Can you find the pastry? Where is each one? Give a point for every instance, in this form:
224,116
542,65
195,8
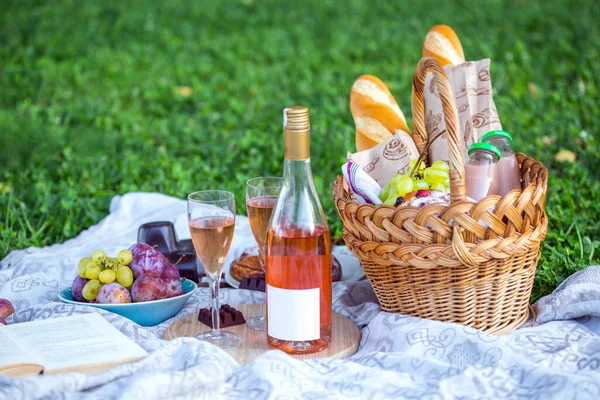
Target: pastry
248,265
376,114
443,44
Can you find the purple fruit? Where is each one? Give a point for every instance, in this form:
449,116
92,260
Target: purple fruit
149,262
77,287
139,248
174,288
113,293
6,308
170,273
3,322
148,288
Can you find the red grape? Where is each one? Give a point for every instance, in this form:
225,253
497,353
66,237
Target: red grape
6,308
77,287
170,273
139,248
148,288
113,293
174,288
149,262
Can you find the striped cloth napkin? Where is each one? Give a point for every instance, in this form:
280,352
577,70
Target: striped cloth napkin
364,188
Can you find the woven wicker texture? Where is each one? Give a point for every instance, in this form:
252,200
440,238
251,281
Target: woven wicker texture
470,263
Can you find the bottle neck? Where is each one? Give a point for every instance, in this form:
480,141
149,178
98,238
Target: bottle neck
482,156
502,143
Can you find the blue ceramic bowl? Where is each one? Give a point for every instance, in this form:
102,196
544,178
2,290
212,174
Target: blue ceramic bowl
146,313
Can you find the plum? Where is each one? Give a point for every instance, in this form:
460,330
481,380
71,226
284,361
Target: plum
139,248
113,293
3,322
77,288
170,273
174,288
6,308
150,262
148,288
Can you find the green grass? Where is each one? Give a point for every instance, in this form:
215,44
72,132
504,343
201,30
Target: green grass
89,103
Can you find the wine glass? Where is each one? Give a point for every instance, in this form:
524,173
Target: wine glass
261,196
211,218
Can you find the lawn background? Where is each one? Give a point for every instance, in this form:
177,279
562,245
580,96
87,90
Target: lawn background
100,98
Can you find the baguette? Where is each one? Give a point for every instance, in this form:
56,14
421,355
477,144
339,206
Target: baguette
376,113
443,44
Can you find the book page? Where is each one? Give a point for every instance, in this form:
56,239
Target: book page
86,339
11,353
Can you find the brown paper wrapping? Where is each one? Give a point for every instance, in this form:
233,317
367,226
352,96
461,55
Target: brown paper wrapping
387,158
471,86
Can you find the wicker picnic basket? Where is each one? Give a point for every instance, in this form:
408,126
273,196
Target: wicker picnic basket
470,263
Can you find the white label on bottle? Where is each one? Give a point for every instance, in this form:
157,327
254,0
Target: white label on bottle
294,314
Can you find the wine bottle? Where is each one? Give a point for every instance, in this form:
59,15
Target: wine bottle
298,251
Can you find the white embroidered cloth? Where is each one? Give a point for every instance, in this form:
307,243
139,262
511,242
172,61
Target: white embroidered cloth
400,357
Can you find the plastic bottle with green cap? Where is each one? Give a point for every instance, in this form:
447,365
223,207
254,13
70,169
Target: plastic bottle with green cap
480,170
508,172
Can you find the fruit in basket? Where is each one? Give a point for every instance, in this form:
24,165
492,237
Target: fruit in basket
148,288
402,188
6,309
150,262
91,288
113,293
443,44
77,288
375,111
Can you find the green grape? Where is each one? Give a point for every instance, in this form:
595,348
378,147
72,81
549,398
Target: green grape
99,257
421,184
107,276
124,257
440,186
90,290
433,176
411,165
394,179
441,165
404,185
82,265
125,276
391,201
385,192
92,272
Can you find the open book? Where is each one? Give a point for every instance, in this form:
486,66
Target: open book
80,343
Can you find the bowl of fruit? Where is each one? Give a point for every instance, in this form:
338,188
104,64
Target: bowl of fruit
139,284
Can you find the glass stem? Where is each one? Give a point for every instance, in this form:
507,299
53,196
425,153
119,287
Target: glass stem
214,297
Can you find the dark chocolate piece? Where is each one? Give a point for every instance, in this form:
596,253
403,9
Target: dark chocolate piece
258,285
160,235
228,316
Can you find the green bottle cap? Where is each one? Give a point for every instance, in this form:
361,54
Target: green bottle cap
485,146
497,133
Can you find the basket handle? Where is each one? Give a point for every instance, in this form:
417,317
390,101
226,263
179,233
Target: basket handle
420,135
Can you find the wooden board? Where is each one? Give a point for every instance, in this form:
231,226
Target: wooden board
344,342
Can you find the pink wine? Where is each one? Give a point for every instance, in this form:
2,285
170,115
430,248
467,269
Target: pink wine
212,238
300,261
259,215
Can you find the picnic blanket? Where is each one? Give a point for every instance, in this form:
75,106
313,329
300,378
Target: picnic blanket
399,357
